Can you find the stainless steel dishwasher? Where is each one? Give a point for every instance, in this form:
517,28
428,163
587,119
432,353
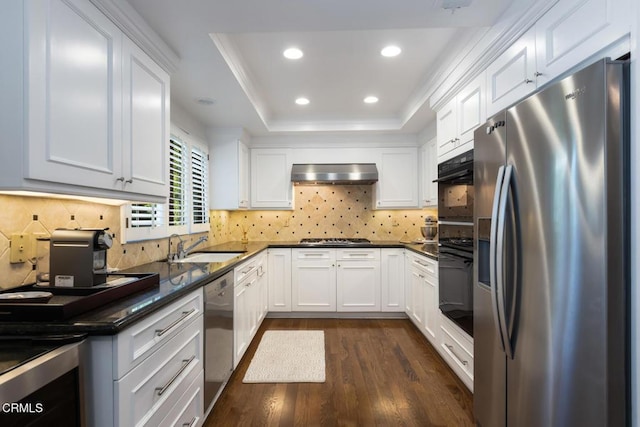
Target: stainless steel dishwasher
218,337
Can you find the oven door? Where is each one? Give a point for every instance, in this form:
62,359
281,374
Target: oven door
455,276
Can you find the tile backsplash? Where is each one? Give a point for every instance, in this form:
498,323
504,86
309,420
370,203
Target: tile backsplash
327,211
39,216
320,211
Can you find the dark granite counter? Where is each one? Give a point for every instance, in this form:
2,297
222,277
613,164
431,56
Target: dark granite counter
176,280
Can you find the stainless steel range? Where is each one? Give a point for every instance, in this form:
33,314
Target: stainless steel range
335,241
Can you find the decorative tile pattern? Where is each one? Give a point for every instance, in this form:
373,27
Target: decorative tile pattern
321,211
329,211
40,216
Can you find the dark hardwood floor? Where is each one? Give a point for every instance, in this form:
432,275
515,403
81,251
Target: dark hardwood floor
378,373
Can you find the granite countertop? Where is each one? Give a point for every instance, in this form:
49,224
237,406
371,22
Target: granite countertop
176,280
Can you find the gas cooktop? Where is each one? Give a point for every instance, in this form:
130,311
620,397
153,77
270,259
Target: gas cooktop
334,241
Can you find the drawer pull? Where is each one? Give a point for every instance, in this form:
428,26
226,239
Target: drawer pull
421,263
248,269
358,254
450,347
185,314
161,390
190,423
313,254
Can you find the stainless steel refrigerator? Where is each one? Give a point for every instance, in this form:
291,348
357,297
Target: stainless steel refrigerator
551,256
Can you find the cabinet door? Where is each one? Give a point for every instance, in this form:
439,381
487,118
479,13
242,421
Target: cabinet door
417,297
447,127
243,175
398,181
430,286
271,178
263,287
358,280
429,170
576,29
279,279
471,111
511,77
74,97
241,322
392,276
145,123
313,286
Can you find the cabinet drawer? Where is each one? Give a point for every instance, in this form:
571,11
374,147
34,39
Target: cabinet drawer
244,270
136,343
458,352
311,254
153,387
355,254
425,264
188,411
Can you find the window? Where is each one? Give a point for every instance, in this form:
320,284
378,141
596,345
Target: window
187,207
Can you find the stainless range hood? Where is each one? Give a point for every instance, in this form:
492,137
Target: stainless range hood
334,173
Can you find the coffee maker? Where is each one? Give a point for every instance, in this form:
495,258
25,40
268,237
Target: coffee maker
78,257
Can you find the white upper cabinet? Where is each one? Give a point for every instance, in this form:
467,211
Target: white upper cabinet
271,178
429,173
459,118
93,110
573,30
229,172
397,186
145,122
512,76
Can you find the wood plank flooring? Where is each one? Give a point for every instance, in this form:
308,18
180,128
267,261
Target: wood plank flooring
378,373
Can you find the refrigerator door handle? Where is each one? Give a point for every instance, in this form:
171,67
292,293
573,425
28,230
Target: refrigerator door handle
493,256
502,213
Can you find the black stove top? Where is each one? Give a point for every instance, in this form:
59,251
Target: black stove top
334,241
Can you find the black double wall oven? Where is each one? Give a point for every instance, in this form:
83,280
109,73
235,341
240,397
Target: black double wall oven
455,239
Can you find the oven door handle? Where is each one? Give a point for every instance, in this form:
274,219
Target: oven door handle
493,255
454,175
500,288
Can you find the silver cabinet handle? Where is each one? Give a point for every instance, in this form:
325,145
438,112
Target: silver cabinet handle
359,255
246,271
527,81
129,181
185,314
190,423
421,263
450,347
185,363
537,74
121,179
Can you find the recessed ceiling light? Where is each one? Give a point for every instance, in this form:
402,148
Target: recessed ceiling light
293,53
302,101
371,99
390,51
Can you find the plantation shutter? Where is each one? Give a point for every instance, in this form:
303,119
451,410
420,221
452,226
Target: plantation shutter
199,186
177,182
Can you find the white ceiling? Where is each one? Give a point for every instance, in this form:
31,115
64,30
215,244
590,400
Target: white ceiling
231,52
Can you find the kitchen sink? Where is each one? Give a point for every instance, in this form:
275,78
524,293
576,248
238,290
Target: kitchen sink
206,257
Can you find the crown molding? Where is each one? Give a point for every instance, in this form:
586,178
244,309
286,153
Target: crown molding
483,51
131,23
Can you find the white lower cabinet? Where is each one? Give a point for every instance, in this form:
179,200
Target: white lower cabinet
313,280
279,279
392,280
422,295
247,306
140,376
456,348
358,280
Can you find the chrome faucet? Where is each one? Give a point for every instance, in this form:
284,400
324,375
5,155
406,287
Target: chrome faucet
183,252
175,255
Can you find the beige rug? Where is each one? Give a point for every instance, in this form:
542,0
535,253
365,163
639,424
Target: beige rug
288,357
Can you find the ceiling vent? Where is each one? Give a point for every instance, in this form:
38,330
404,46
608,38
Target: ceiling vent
451,5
